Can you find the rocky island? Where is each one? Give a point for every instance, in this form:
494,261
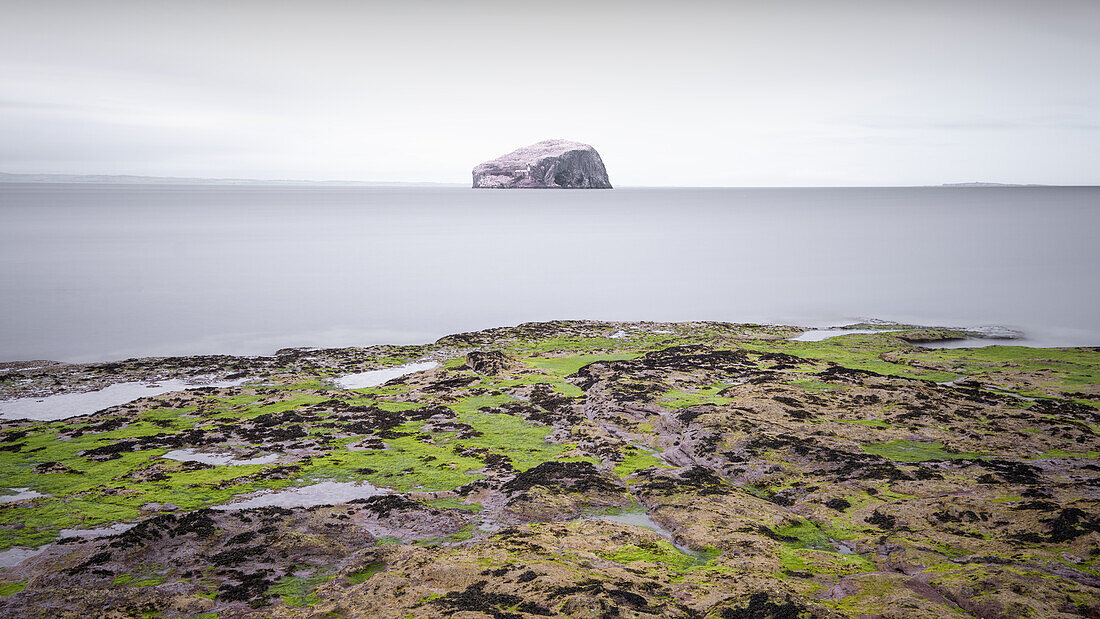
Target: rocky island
571,468
550,164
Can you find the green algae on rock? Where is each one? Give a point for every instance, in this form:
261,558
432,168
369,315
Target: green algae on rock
859,475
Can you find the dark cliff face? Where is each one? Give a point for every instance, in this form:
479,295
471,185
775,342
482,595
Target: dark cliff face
551,164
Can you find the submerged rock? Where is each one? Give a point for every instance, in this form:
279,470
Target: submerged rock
550,164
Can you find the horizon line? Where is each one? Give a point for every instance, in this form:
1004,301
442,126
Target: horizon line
137,179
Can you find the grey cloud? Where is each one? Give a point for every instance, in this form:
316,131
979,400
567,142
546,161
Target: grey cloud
969,124
739,92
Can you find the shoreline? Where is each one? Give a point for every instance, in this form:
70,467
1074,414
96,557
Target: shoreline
663,460
27,386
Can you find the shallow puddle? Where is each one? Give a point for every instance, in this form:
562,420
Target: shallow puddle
990,336
324,493
98,532
642,519
1011,394
21,494
818,335
967,342
14,556
65,405
190,455
373,378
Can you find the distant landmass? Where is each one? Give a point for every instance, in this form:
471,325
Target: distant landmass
564,165
980,184
128,179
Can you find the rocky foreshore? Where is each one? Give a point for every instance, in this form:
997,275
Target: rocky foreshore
581,468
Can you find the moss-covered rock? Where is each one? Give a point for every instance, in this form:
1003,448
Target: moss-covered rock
862,475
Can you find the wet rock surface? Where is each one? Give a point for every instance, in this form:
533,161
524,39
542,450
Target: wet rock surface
487,361
858,476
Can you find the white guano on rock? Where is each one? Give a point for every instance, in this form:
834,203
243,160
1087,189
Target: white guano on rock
550,164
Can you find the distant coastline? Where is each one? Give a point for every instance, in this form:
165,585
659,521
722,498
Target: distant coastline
981,184
130,179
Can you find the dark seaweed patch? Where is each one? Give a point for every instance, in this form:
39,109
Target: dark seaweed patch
840,372
1010,472
451,383
697,479
568,476
487,361
881,520
167,525
249,588
382,506
759,606
236,556
97,559
476,599
687,358
1072,523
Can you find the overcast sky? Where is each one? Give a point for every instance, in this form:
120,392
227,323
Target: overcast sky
670,93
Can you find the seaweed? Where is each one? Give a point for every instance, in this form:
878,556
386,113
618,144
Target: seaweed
566,476
760,606
475,598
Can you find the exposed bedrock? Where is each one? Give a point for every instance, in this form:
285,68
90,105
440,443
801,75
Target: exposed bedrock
550,164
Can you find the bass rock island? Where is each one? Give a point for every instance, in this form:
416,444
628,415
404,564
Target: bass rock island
550,164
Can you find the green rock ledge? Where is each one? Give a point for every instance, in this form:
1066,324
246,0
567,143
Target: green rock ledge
576,468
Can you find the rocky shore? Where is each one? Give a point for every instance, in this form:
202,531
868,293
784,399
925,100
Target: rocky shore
579,468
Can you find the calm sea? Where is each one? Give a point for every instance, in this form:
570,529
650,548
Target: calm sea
95,272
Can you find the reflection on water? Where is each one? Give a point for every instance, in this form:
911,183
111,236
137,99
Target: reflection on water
14,556
324,493
98,532
217,459
818,335
65,405
373,378
20,494
108,272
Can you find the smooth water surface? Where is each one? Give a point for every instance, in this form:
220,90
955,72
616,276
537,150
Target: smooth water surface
820,335
20,494
95,272
217,459
323,493
65,405
373,378
17,554
104,531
